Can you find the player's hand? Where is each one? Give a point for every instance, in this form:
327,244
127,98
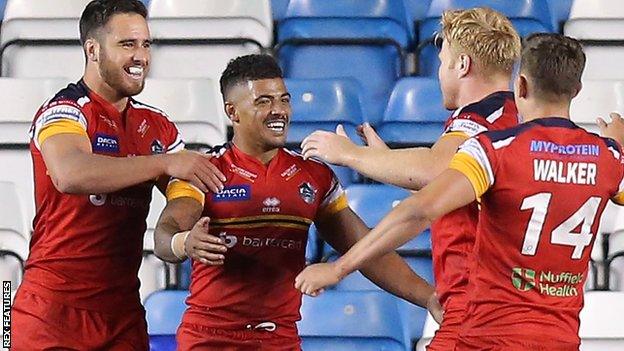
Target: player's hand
370,137
196,168
434,307
330,147
315,278
204,247
613,130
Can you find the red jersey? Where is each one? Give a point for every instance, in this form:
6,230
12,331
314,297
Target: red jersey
264,214
543,185
453,234
85,250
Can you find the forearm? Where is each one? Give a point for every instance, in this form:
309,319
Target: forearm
407,168
401,225
391,273
162,241
179,215
84,173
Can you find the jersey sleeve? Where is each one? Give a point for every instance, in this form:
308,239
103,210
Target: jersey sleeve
467,125
178,188
173,139
59,117
473,161
335,199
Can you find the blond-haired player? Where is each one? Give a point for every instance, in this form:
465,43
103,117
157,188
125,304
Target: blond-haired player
478,49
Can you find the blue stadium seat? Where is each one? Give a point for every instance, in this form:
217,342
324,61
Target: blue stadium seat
322,104
415,112
416,11
278,9
164,309
560,11
359,39
341,321
527,16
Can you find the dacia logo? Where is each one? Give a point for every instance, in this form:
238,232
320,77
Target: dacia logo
233,193
105,143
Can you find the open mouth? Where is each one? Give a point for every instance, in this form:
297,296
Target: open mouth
276,126
135,72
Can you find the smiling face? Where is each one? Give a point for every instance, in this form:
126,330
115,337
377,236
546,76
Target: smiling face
260,112
124,53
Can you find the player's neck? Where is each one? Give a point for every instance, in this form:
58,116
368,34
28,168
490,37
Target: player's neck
94,81
536,109
477,88
254,150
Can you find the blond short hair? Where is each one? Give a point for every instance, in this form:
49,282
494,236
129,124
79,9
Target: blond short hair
487,36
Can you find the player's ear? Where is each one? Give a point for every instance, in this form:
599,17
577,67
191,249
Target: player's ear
465,64
92,49
578,90
522,86
230,111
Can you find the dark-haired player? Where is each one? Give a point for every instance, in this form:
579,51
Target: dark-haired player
97,154
248,241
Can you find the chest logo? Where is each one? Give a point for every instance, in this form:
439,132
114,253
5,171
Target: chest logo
157,147
143,127
233,193
243,173
108,121
307,192
271,205
105,143
290,172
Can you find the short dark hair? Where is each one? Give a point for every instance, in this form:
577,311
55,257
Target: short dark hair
99,12
247,68
555,64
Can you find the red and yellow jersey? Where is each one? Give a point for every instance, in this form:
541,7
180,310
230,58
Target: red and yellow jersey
453,235
263,214
86,249
543,187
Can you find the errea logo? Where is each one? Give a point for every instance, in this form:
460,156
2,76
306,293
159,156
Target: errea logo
271,205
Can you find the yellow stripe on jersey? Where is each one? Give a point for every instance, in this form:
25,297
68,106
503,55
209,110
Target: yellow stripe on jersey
179,188
64,126
273,217
467,165
619,199
336,206
456,133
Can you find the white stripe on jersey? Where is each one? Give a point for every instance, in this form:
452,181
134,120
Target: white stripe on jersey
495,115
139,105
335,191
615,152
177,145
502,143
473,148
57,113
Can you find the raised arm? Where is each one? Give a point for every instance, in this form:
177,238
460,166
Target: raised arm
446,193
411,168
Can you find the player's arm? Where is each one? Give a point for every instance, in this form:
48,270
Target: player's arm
344,228
410,168
181,232
451,190
75,169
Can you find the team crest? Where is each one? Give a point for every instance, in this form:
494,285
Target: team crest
307,192
157,147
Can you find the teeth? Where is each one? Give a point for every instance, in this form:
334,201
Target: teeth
276,126
134,70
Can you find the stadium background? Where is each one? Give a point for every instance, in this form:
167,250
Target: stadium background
346,61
